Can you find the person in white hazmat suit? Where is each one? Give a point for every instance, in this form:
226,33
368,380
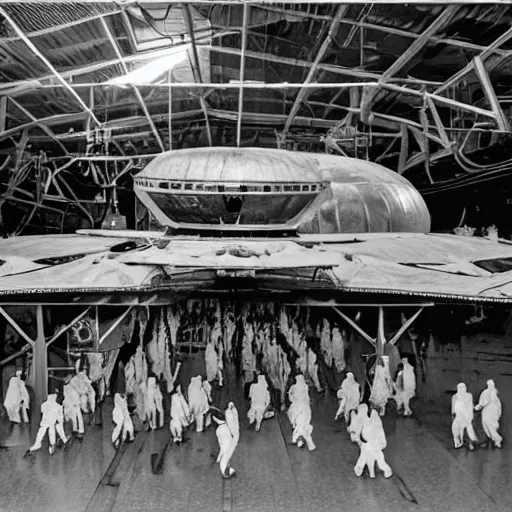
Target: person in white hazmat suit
260,400
371,443
123,430
180,416
154,404
349,395
197,402
228,435
382,386
405,387
52,420
83,386
71,408
357,421
17,399
299,414
490,405
462,413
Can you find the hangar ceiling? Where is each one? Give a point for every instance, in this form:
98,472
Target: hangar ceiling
405,85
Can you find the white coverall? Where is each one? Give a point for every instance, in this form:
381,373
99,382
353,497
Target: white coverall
260,400
123,429
154,404
17,399
299,414
371,443
382,386
349,395
357,421
198,402
53,419
490,405
228,435
72,411
84,388
179,416
462,409
405,387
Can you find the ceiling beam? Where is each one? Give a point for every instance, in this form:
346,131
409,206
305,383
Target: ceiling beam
196,67
27,86
22,85
490,94
470,67
342,10
134,88
245,24
47,63
418,44
412,35
41,125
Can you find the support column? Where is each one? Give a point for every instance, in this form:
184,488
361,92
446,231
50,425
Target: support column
40,370
381,337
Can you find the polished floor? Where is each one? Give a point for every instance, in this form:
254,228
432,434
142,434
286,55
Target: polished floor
272,474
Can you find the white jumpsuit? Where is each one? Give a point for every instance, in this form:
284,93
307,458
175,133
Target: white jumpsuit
123,429
197,401
349,395
260,400
357,421
405,387
371,443
72,411
490,405
381,387
17,400
462,409
84,388
179,416
228,435
154,404
299,414
52,420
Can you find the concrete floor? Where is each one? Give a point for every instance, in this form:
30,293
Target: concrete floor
272,474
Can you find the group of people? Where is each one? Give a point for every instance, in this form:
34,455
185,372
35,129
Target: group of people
364,427
463,413
200,410
366,431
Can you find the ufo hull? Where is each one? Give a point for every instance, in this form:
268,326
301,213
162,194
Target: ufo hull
229,188
249,189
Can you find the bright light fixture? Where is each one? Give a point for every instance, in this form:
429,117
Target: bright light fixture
153,70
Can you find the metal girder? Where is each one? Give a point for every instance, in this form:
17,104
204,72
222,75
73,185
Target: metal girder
349,320
313,69
43,127
405,326
490,94
3,113
196,67
16,327
66,328
136,91
441,21
467,69
47,63
114,325
412,35
245,23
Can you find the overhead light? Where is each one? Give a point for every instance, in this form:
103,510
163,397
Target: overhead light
148,73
